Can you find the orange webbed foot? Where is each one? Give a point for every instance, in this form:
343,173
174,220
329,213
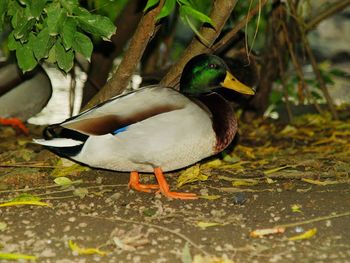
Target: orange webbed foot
134,183
164,187
15,123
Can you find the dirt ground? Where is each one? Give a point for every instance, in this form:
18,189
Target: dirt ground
277,183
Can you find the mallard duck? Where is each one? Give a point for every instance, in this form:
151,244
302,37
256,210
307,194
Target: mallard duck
22,96
154,129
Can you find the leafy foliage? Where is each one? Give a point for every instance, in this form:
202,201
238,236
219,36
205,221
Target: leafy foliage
188,11
52,30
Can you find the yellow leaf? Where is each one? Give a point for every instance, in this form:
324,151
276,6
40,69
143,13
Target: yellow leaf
210,259
318,182
235,166
25,199
225,178
289,130
244,182
61,170
296,208
210,197
306,235
307,132
191,174
15,203
269,180
273,170
231,158
211,164
85,251
205,225
12,256
247,151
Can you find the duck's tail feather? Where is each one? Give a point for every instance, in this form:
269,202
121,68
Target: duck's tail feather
62,146
58,142
62,141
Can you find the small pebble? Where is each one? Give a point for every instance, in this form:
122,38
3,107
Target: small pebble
299,229
239,198
72,219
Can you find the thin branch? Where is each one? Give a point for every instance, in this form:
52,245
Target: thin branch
241,24
120,79
327,12
285,88
221,11
300,25
298,69
319,77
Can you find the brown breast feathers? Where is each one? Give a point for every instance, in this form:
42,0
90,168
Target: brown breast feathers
224,121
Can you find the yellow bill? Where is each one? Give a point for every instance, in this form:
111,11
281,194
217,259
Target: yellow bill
231,82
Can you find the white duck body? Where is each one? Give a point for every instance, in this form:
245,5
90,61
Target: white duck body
164,128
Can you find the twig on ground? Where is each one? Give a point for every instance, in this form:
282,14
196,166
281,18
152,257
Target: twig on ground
163,228
317,219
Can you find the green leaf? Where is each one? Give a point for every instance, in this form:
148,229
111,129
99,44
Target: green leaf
69,5
22,31
41,46
68,32
83,45
63,181
55,18
150,4
3,10
25,2
339,73
25,58
52,55
189,11
36,7
13,7
94,24
13,43
25,197
168,7
186,2
18,17
64,58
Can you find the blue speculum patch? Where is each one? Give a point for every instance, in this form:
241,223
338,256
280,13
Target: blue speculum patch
122,129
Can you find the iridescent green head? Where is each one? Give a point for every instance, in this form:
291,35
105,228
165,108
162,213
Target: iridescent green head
206,72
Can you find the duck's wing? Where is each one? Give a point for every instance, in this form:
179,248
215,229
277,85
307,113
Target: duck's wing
120,111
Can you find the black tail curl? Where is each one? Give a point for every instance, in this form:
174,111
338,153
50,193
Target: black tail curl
57,131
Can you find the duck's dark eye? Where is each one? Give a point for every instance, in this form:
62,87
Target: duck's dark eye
212,66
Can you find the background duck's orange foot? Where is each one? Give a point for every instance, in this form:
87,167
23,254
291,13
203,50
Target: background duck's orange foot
164,187
15,123
134,183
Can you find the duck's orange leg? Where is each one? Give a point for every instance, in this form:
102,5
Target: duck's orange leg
164,187
134,183
15,123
